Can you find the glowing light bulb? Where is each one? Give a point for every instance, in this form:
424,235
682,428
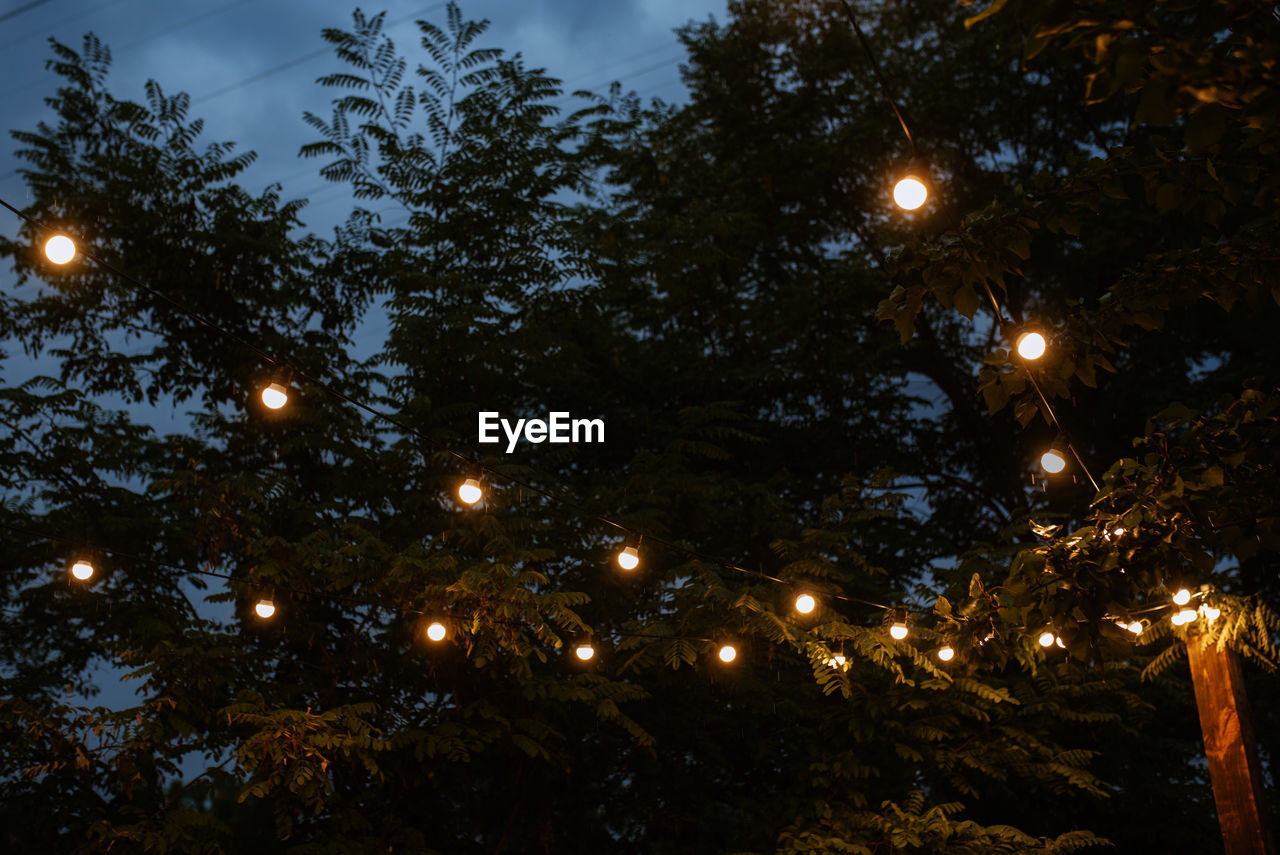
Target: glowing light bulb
1119,531
1031,345
1210,613
910,193
470,492
275,396
436,632
1052,461
946,654
805,604
584,651
1046,639
629,558
898,630
727,653
836,661
82,570
1136,627
265,609
1184,616
1058,641
60,249
1182,597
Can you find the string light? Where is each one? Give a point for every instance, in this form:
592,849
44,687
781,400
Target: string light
60,249
837,661
265,608
584,651
1053,461
805,604
275,396
1031,345
1209,612
82,570
910,192
470,491
727,653
629,556
1182,597
1183,617
899,627
1058,641
1047,638
946,654
436,631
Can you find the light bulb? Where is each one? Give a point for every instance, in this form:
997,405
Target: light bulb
1136,627
275,396
60,249
82,570
836,660
910,193
1058,641
1052,461
1046,639
584,651
898,630
1031,345
629,558
805,604
1210,612
436,632
1182,597
1119,531
265,609
728,653
946,654
1184,616
470,492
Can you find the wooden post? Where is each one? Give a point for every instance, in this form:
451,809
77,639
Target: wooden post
1231,749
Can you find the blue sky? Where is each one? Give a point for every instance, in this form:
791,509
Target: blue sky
250,65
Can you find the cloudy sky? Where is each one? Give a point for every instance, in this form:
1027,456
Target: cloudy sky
250,65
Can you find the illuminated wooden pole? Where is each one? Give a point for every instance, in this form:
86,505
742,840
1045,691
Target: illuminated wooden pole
1231,749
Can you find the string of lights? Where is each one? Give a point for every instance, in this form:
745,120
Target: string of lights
910,193
62,249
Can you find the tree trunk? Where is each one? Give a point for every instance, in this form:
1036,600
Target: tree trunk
1229,745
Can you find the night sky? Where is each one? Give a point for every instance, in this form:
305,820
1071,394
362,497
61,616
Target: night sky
251,67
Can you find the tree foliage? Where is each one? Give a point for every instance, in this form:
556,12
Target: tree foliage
715,279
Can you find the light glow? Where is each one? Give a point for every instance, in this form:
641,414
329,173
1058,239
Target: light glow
1052,461
1136,627
470,491
1183,617
1210,613
836,661
805,604
275,396
727,653
910,193
60,249
1182,597
265,609
1031,346
946,654
82,570
898,630
629,558
436,632
1047,638
584,651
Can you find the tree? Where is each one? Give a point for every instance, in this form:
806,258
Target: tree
705,278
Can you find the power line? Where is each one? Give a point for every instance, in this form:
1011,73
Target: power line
16,12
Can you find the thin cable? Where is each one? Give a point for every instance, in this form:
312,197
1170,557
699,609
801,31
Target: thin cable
875,68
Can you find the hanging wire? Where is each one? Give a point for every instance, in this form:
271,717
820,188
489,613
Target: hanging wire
875,68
